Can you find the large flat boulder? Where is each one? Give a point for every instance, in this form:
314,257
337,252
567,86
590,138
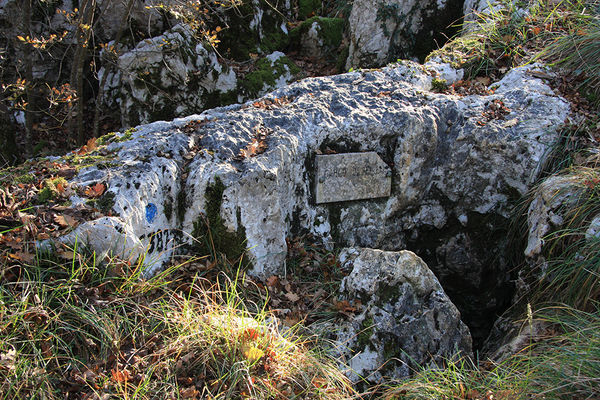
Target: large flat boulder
249,172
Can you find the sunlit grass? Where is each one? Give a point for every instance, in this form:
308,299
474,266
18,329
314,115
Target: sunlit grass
87,329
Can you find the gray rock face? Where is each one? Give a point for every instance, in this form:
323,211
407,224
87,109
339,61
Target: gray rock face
407,320
385,30
169,75
545,213
250,169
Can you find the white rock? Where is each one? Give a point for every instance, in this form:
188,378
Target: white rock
170,74
386,30
448,169
406,319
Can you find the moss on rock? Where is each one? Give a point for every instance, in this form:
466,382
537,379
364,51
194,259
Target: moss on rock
329,37
267,74
49,190
211,231
247,36
307,8
104,203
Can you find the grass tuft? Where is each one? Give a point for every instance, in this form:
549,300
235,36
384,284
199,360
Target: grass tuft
91,330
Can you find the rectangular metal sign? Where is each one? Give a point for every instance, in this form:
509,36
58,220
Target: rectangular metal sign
351,176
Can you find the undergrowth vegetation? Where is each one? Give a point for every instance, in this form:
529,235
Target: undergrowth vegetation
81,328
89,330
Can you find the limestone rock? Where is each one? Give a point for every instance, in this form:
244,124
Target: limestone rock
545,213
406,321
385,30
169,75
249,171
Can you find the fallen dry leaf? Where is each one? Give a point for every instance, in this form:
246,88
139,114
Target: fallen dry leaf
273,281
293,297
7,360
120,376
484,80
189,393
344,306
65,221
91,144
95,191
23,256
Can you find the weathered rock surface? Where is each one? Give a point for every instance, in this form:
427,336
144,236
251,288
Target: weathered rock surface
169,75
546,211
407,320
385,30
249,171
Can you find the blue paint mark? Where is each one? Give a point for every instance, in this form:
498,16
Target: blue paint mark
151,212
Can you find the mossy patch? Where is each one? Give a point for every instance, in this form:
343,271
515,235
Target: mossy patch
389,293
210,231
366,331
49,190
266,74
466,52
308,8
25,178
439,85
91,160
104,203
113,137
330,31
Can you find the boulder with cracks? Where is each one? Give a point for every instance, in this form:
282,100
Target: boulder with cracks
406,319
247,172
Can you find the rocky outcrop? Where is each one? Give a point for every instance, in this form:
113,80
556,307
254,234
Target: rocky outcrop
170,75
248,172
552,198
406,321
387,30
